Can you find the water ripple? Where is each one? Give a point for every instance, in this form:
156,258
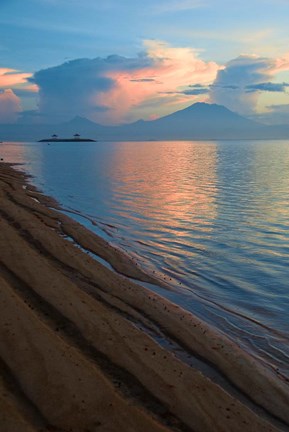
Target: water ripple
210,217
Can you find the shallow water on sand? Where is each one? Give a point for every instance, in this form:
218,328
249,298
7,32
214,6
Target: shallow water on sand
210,217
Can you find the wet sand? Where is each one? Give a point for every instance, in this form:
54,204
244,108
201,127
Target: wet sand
83,348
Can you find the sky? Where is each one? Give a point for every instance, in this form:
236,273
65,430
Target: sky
118,61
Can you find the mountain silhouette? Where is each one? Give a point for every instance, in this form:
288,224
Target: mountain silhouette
200,121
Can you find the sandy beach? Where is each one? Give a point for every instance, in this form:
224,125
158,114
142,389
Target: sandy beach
84,348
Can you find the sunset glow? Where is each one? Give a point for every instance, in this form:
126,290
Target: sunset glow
11,78
172,54
172,69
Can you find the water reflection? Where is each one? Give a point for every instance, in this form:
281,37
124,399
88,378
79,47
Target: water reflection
213,216
13,152
173,182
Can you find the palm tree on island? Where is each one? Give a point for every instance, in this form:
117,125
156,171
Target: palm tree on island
54,136
76,136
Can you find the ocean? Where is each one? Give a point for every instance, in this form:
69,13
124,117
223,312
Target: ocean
211,218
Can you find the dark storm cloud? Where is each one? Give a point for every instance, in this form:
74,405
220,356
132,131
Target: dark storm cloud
143,80
267,86
72,88
196,91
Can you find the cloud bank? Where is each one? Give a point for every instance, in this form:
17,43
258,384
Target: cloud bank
9,106
108,90
72,88
238,85
158,81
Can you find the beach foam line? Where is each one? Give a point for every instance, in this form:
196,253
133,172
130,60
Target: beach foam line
92,350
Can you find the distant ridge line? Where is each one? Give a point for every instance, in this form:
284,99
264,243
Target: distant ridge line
67,140
199,121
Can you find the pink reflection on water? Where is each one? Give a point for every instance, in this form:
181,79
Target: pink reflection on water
175,183
13,152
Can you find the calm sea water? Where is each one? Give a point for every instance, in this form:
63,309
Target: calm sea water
210,217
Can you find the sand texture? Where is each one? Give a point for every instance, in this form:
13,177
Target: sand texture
83,348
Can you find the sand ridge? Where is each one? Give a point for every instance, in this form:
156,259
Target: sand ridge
83,348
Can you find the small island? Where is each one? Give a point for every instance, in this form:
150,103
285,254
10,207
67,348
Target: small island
75,138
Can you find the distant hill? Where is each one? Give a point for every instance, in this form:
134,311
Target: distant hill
198,121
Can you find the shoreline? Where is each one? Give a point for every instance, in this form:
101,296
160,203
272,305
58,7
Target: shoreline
85,348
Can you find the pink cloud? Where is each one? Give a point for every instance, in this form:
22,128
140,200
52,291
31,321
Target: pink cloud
33,88
9,106
11,77
281,64
169,69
